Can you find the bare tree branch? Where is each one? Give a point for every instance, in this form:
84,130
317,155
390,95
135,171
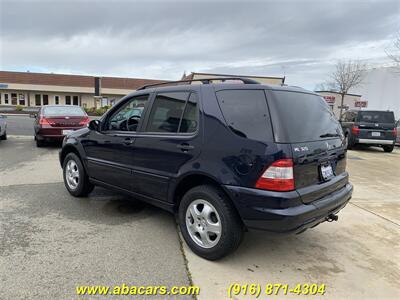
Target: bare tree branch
394,52
347,75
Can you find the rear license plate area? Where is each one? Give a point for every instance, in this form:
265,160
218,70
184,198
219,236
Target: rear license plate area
375,133
326,171
66,132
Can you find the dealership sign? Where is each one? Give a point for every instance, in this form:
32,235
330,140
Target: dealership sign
330,99
361,103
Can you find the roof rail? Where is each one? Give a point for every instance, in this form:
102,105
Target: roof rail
203,80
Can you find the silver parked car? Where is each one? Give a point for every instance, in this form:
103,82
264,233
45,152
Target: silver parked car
3,127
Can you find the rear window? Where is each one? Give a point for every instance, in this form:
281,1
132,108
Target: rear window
63,111
246,113
375,117
301,117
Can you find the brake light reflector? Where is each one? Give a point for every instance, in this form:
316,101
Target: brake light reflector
84,121
395,131
277,177
44,121
355,130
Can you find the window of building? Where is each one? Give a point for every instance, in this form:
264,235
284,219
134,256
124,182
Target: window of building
0,98
14,99
167,111
5,98
38,100
45,99
56,100
21,99
68,100
75,100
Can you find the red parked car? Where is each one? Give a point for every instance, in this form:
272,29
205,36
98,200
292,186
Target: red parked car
53,122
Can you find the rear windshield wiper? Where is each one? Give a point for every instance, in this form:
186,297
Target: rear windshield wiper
329,135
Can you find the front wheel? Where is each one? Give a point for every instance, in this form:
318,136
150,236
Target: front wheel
75,178
388,148
209,223
4,136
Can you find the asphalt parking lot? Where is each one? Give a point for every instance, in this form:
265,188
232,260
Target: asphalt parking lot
52,242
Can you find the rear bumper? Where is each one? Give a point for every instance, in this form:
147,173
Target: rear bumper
375,142
53,133
252,205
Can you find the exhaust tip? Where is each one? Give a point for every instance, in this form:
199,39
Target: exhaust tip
332,217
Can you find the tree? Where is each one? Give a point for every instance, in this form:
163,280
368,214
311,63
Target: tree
347,75
394,52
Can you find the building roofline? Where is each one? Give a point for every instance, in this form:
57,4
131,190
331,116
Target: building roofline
333,92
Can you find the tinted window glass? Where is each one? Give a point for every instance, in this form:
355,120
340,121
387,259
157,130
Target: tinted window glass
127,117
190,117
246,113
167,111
63,111
376,117
301,117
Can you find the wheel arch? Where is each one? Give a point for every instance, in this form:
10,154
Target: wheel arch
68,149
192,180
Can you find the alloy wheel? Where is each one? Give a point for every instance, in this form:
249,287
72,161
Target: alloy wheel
203,223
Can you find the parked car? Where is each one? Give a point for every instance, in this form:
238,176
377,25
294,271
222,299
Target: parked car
226,157
3,127
53,122
369,127
398,133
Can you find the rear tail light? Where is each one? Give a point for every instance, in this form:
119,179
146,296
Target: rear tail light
84,121
44,121
355,130
277,177
395,131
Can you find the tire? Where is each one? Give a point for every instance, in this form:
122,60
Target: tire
221,214
349,145
388,148
39,143
75,177
4,136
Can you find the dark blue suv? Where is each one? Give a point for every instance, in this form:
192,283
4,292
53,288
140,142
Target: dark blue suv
226,155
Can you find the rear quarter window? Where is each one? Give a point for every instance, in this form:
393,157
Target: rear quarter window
246,113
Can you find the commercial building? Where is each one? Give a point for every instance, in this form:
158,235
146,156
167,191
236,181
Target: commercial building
30,89
37,89
351,101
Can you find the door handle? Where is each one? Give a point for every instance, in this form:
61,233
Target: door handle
185,147
128,141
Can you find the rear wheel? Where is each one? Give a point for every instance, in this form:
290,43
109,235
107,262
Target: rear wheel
209,223
75,177
388,148
4,136
349,144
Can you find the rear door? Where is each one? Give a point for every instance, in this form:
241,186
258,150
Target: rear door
376,125
307,124
170,139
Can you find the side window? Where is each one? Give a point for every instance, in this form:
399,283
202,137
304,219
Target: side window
246,113
127,117
167,111
190,117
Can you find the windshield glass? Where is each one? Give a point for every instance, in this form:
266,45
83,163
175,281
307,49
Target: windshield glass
301,117
376,117
63,111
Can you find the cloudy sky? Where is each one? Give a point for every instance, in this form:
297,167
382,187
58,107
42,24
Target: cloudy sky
162,39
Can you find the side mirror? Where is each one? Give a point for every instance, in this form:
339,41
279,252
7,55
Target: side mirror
94,125
32,115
